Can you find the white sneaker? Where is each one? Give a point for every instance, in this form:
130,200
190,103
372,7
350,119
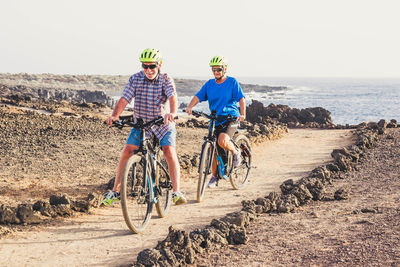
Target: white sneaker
178,198
212,183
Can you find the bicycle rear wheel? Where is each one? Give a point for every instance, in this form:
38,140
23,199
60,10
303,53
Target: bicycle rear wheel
239,176
136,194
204,170
163,187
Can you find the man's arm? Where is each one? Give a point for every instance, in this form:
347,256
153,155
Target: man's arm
173,109
242,109
119,108
195,100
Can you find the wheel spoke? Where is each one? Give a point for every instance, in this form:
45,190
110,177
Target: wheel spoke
163,187
136,195
240,175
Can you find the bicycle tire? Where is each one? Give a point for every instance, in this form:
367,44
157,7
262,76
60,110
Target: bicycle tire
136,198
163,187
239,176
204,170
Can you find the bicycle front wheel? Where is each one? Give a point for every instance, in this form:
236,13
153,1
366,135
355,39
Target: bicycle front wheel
239,176
163,187
136,194
204,170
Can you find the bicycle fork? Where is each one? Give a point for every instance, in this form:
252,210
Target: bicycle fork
221,168
150,178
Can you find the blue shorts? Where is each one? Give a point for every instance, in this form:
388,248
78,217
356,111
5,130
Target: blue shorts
168,139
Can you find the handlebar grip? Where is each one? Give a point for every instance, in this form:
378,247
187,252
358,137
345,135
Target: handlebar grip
125,117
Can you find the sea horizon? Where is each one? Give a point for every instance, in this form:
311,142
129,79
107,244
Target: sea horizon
350,100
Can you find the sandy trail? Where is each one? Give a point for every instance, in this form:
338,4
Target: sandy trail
102,238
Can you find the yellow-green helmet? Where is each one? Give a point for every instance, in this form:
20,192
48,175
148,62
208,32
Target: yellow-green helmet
218,61
151,55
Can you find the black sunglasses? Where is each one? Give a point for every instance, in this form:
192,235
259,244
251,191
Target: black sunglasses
152,66
217,70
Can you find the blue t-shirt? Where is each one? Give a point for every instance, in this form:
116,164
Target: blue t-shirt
222,98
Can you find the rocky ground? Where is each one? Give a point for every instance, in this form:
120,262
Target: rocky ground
48,147
362,229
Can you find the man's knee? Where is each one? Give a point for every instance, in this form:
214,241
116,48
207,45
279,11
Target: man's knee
129,150
169,151
223,139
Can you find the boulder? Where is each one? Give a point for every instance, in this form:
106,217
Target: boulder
316,117
392,124
341,194
8,215
179,243
28,215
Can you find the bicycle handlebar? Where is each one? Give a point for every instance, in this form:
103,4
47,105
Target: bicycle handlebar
129,121
213,116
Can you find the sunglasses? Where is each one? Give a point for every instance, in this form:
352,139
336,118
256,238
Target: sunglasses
217,70
152,66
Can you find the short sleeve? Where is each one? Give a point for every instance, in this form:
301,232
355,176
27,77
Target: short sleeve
237,91
202,94
169,86
129,92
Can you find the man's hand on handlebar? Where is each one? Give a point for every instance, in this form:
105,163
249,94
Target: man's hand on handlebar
241,118
111,119
169,117
188,110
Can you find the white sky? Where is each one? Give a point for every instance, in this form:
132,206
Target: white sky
303,38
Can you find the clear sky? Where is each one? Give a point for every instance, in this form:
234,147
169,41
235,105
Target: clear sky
302,38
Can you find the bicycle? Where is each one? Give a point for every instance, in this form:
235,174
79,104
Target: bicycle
238,176
145,178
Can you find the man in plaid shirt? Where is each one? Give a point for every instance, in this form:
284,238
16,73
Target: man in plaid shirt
151,90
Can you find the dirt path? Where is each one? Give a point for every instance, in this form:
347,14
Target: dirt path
102,239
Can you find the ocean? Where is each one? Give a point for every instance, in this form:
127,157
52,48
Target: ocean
350,100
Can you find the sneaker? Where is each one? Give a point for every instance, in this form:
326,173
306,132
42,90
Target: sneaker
212,183
111,198
178,198
236,158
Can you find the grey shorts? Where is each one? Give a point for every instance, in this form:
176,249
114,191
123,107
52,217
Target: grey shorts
228,128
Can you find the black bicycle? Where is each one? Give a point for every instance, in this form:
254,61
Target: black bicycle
238,176
145,178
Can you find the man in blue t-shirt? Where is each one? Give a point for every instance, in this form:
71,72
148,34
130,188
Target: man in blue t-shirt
223,93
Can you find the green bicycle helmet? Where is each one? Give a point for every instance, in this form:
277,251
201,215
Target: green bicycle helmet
151,55
218,61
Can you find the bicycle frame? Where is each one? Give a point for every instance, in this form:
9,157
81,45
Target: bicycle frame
212,139
151,184
149,147
149,151
233,169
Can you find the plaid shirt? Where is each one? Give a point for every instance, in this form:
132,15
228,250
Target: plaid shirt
150,97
